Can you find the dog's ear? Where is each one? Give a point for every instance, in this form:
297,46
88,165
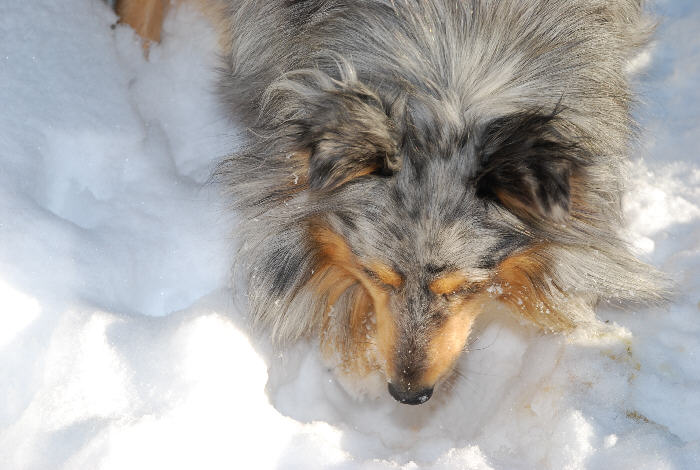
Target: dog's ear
342,126
526,164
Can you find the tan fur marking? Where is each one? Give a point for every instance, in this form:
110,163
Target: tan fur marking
334,248
515,204
448,283
518,277
299,173
333,281
577,190
302,158
385,331
340,272
359,316
145,16
580,209
386,274
447,343
362,172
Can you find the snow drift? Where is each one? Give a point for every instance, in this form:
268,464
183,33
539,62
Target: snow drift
123,345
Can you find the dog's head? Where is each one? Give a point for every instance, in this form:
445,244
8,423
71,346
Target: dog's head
424,220
423,213
448,165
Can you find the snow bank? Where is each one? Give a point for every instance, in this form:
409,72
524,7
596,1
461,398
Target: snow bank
121,345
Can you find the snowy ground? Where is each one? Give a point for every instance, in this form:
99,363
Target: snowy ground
121,346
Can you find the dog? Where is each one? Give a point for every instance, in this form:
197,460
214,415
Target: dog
411,161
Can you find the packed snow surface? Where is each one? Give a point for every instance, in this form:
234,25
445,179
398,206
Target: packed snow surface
124,346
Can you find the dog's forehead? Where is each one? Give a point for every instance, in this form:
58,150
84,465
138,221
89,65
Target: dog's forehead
437,188
429,221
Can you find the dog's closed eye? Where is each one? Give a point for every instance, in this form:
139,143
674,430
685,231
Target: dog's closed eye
448,284
453,285
383,274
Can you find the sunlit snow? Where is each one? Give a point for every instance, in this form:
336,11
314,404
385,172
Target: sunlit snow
123,344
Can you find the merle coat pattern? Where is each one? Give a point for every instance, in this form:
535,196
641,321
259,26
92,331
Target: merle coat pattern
480,137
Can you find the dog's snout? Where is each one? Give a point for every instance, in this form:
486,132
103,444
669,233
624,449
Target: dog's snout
408,396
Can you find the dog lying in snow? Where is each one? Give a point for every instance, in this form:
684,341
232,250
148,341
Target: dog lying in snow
410,161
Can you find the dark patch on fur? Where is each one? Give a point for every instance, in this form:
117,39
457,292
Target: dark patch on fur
528,158
507,244
283,266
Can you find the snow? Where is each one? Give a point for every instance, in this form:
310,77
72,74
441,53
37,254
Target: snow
122,344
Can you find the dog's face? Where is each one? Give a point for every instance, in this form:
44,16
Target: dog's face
422,246
424,220
408,156
425,243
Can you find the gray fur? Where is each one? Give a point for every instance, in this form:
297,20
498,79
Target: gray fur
416,88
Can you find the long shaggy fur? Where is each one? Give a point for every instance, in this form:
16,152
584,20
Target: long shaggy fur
434,134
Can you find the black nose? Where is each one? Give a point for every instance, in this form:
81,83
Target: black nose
410,397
